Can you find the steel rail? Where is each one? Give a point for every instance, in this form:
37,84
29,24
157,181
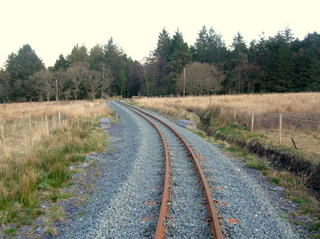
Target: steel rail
164,208
214,219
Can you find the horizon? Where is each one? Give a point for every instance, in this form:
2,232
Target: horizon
135,26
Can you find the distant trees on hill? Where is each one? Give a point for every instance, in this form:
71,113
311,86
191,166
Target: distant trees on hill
279,63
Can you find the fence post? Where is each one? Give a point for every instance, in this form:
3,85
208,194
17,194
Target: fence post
210,100
280,128
2,133
47,124
30,124
3,140
234,115
59,119
30,131
252,121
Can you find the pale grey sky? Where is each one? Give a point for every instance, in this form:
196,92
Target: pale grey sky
52,27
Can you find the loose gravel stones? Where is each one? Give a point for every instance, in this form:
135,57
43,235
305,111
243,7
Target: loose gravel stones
187,211
247,209
126,201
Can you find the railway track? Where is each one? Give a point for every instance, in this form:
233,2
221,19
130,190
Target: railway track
213,218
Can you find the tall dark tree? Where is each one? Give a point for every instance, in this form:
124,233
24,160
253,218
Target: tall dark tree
61,63
180,56
118,64
201,46
96,57
78,54
236,66
20,66
163,49
209,47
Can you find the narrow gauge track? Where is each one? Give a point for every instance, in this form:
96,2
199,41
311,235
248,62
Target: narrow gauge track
164,208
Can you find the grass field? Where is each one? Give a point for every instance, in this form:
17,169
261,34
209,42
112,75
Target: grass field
300,115
38,143
303,103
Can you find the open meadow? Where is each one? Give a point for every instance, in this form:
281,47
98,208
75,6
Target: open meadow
291,120
38,142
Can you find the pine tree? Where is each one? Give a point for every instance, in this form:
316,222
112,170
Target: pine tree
78,54
61,63
20,66
201,46
96,57
163,46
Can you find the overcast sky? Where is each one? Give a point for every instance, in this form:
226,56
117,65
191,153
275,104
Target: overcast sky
53,27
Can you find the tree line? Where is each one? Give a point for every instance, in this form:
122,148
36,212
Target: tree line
279,63
104,70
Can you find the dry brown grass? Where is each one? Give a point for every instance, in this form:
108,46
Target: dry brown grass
24,124
34,110
35,155
303,103
301,115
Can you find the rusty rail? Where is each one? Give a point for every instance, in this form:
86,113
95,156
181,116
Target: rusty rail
164,208
214,219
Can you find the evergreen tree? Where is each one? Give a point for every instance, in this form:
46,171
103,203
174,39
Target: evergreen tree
61,63
217,50
178,59
163,49
236,66
78,54
20,66
96,57
201,46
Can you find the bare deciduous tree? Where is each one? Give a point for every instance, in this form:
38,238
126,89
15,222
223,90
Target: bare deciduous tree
92,83
76,74
106,78
201,78
43,83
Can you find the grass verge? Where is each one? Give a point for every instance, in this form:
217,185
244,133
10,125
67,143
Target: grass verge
35,176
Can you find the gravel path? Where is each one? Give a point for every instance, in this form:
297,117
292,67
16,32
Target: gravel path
240,195
126,202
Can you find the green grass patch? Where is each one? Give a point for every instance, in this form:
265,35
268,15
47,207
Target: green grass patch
46,170
276,180
256,164
12,231
299,200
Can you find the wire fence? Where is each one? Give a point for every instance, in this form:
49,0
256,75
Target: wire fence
20,136
300,131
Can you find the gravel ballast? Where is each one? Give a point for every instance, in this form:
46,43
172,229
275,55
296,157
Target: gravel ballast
241,197
126,201
187,211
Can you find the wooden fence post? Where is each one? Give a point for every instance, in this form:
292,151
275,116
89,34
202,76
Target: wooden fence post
280,128
59,119
234,115
2,133
30,124
252,122
30,131
3,140
47,125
